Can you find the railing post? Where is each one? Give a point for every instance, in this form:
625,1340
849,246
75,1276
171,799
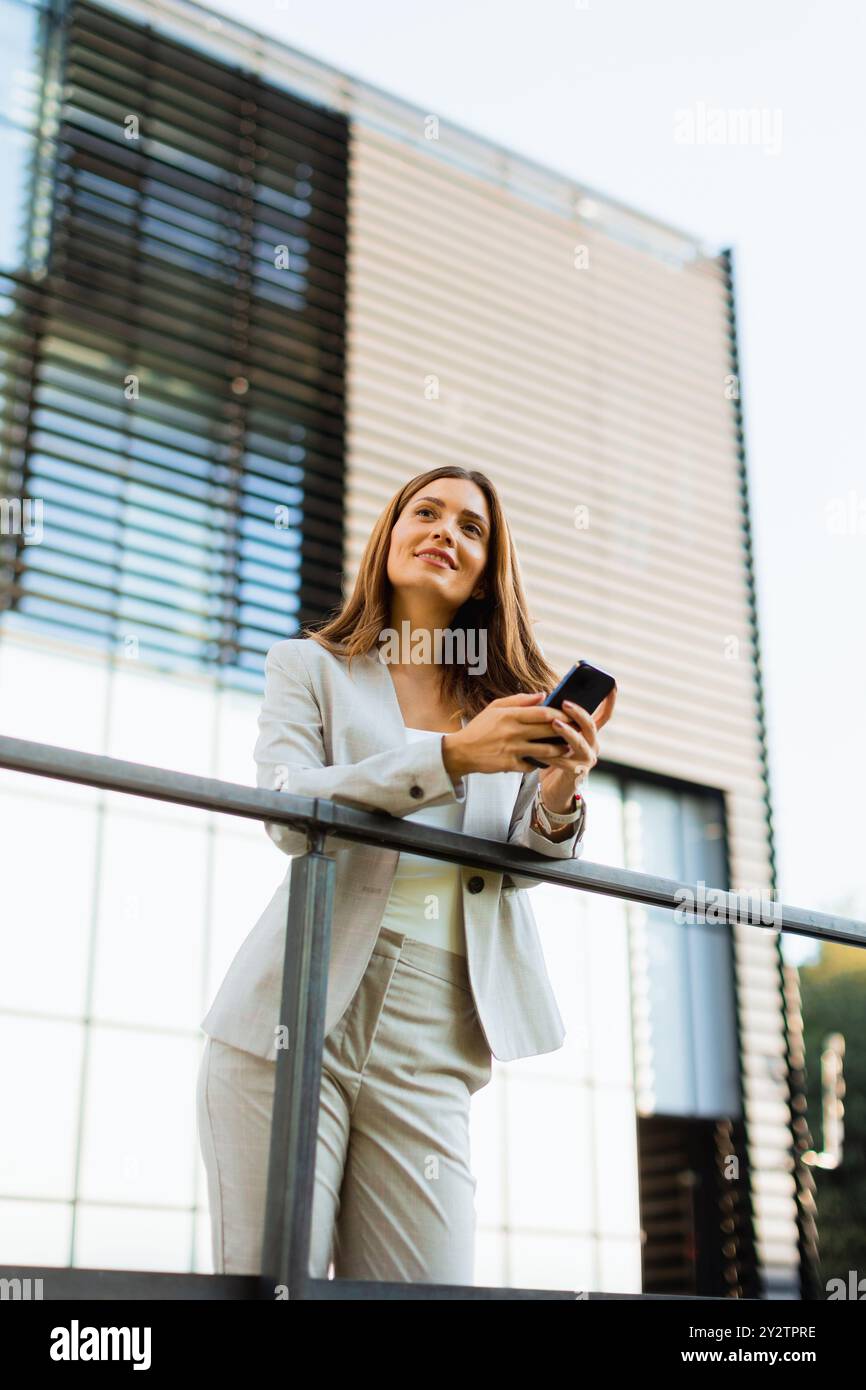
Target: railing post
294,1123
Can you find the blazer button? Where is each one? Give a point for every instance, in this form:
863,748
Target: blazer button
475,884
416,792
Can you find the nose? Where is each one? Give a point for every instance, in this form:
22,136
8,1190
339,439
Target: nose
443,536
444,542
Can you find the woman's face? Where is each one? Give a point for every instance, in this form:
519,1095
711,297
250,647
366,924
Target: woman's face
449,515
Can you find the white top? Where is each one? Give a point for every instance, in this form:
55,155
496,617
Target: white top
426,900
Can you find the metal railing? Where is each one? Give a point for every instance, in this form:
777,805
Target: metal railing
291,1172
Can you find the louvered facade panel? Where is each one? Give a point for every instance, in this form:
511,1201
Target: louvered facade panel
606,387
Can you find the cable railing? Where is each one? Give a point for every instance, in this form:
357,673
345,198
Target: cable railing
292,1155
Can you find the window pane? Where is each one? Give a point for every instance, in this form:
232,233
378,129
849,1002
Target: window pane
684,974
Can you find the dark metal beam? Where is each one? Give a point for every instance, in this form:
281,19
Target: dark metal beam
294,1123
112,1284
314,814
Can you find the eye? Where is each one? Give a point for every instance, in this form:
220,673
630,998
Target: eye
473,524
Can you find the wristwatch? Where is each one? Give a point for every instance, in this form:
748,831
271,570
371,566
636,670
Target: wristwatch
554,820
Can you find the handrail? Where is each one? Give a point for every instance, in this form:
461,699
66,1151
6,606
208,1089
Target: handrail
316,815
291,1172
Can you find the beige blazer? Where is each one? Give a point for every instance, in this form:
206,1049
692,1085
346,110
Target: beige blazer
326,733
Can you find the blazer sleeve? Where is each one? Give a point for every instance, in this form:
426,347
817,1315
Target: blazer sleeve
290,755
520,832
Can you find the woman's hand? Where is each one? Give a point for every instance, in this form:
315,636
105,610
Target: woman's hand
568,770
501,736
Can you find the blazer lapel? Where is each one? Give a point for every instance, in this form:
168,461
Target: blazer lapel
489,799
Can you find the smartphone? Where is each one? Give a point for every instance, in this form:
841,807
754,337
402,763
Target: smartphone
586,686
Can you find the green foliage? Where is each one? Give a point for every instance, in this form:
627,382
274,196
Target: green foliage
834,1001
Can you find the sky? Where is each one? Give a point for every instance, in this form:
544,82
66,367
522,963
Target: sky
592,88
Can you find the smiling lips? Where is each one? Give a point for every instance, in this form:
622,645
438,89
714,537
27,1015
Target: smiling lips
434,559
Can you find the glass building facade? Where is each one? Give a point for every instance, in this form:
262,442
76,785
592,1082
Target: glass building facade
242,300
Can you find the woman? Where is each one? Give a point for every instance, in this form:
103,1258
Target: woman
435,968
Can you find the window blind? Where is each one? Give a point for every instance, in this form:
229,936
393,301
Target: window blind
175,380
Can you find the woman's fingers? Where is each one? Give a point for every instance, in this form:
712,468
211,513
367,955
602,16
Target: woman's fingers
523,697
536,749
602,714
580,750
582,740
577,750
585,721
530,716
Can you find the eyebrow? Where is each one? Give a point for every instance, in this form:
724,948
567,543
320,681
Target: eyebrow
467,511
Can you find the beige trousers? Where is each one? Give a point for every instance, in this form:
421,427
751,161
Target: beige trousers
394,1193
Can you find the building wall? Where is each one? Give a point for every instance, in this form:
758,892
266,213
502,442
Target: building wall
584,364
